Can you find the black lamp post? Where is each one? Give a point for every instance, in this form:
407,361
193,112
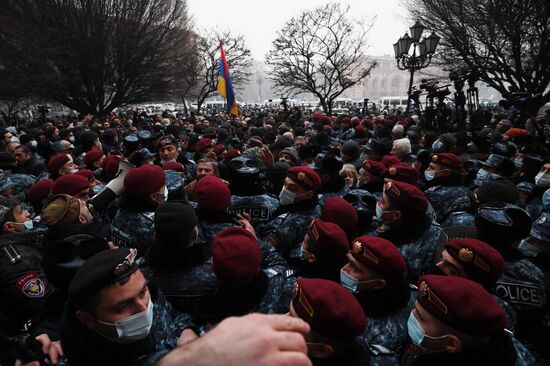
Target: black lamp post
426,49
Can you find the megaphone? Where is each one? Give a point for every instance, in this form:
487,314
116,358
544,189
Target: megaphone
112,190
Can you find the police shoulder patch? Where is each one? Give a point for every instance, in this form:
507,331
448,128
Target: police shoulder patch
31,285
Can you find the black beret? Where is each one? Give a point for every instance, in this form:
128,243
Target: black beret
102,270
174,220
377,146
309,151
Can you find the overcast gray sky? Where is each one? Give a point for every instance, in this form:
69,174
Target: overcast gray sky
259,20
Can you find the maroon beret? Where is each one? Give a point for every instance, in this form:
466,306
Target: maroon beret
86,173
317,115
481,262
327,129
374,167
110,165
174,165
449,160
203,144
56,162
230,154
340,212
328,239
461,304
325,120
144,180
236,255
406,196
330,309
212,194
360,129
390,160
92,156
40,190
219,149
403,173
380,255
305,177
70,184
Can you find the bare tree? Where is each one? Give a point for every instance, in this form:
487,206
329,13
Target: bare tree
507,41
320,51
238,59
93,56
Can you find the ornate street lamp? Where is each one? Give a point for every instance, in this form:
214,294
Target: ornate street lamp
415,61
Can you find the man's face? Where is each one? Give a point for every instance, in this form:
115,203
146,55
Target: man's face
83,195
20,216
168,152
291,186
433,167
204,169
55,133
68,168
21,156
121,301
7,137
448,265
299,142
432,327
285,158
99,162
357,270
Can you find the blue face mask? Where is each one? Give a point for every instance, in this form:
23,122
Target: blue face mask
518,163
416,333
96,189
351,283
378,212
481,174
418,336
527,249
546,200
29,225
437,145
34,144
429,175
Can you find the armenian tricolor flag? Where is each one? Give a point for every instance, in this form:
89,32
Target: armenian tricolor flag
225,87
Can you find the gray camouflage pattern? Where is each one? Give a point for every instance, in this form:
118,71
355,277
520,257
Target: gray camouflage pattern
133,229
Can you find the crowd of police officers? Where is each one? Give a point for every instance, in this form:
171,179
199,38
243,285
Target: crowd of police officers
147,239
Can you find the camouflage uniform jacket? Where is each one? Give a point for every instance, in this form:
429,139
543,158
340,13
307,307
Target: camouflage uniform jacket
279,291
288,227
448,199
420,254
260,207
133,229
183,275
390,331
522,286
340,193
459,218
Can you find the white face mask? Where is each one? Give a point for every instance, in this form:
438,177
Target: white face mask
286,197
542,179
351,283
133,328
